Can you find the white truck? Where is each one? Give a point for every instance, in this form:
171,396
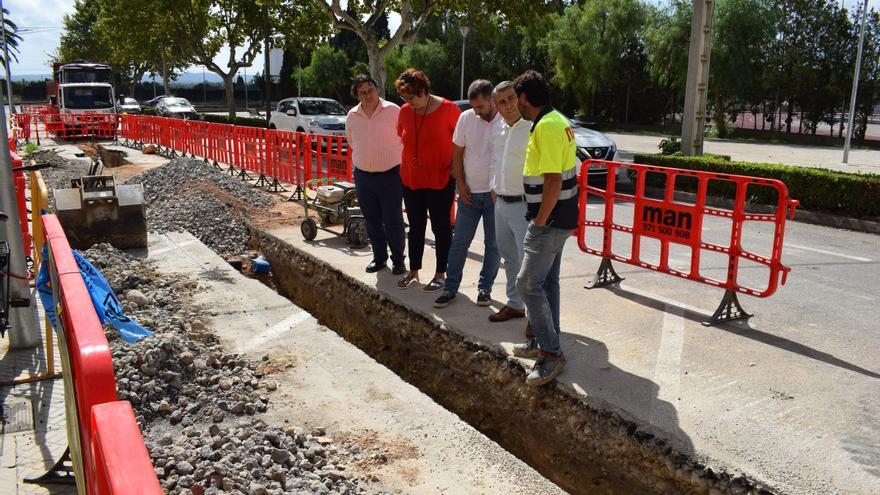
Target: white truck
310,115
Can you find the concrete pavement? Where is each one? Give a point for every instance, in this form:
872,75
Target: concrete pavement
323,381
790,398
860,160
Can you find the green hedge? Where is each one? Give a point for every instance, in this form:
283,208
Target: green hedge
245,121
854,195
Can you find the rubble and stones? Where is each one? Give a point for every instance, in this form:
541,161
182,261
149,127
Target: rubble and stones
61,172
199,406
189,194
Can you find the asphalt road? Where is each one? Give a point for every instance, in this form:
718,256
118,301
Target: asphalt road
791,397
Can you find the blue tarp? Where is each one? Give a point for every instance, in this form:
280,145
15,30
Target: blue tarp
103,299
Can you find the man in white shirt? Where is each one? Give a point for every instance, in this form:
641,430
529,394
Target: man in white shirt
471,167
510,139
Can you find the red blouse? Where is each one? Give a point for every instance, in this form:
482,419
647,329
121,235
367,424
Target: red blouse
427,145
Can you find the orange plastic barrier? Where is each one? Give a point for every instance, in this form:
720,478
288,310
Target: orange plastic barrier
123,465
21,202
332,158
658,217
89,378
249,152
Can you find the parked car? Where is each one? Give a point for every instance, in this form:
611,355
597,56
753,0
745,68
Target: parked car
155,101
590,143
177,108
311,115
129,105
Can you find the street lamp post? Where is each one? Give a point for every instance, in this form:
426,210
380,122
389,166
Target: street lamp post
464,32
855,86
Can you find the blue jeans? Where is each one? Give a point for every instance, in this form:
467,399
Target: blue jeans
510,233
466,219
380,197
538,282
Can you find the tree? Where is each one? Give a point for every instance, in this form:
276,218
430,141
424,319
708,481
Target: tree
586,41
328,74
209,25
412,17
12,37
742,28
667,38
78,40
135,31
869,80
429,56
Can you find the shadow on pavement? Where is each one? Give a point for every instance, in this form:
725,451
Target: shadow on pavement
744,329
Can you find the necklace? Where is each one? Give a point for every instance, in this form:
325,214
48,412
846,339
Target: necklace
419,130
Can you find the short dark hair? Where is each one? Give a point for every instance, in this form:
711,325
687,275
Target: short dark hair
534,86
412,82
361,79
480,87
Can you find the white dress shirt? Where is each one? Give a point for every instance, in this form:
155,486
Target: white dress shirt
475,135
509,145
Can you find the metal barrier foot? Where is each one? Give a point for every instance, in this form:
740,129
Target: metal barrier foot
604,276
243,175
297,194
276,186
60,474
729,310
231,170
215,165
263,181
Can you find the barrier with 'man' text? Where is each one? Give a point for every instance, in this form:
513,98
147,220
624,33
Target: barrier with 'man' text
630,222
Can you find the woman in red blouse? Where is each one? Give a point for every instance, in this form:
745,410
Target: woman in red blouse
425,125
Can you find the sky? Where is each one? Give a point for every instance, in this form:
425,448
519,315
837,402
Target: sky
40,23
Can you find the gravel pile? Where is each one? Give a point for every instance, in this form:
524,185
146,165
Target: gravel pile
197,405
61,172
189,194
175,175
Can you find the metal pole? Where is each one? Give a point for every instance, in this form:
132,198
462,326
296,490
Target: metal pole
23,333
245,88
464,32
855,86
204,87
6,59
267,83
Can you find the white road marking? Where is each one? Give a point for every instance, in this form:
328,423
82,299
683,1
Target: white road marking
277,329
830,253
667,370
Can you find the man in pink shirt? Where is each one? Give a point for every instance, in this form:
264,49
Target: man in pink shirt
375,148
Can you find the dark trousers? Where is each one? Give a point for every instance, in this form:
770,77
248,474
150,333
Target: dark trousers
419,204
379,196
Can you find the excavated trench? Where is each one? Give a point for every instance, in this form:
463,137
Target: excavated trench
582,449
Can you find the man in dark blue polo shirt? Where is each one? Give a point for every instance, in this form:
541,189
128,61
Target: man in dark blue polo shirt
550,180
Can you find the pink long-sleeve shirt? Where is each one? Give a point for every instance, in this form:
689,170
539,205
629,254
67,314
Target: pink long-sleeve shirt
373,141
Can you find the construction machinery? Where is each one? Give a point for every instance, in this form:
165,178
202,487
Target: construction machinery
335,202
97,209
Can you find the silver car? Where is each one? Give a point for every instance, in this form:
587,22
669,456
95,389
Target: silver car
129,105
176,108
590,143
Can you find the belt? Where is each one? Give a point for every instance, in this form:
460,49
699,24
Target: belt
390,170
512,199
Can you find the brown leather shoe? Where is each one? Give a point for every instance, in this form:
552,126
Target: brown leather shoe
506,313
